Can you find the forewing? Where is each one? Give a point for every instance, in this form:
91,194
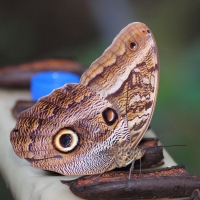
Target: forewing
127,75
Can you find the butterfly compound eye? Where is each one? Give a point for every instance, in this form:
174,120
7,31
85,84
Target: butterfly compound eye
110,116
65,140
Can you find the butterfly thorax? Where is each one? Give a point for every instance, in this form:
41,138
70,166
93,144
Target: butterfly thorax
126,154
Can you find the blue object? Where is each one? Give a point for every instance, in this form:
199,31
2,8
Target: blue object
44,83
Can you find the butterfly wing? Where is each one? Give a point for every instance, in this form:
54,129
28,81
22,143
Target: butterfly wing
96,125
72,131
127,75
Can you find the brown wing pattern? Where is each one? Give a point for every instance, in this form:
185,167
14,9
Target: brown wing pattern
95,126
73,107
127,75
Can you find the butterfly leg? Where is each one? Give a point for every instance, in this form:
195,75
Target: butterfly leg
108,168
138,155
131,168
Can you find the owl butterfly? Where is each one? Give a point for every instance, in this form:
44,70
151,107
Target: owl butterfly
96,125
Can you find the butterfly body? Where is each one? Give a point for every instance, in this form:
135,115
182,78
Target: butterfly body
96,125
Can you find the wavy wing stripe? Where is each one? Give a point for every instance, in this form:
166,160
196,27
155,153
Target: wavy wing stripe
128,79
124,79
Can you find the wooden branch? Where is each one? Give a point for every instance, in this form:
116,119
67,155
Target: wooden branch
18,76
172,182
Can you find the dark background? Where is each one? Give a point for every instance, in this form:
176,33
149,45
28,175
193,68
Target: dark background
83,29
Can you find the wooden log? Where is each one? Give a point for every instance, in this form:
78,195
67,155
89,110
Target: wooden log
18,76
172,182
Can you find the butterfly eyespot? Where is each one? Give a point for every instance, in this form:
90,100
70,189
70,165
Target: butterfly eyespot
133,46
146,31
65,140
110,116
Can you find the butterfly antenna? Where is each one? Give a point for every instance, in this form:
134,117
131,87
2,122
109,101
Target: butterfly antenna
174,145
166,131
106,169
